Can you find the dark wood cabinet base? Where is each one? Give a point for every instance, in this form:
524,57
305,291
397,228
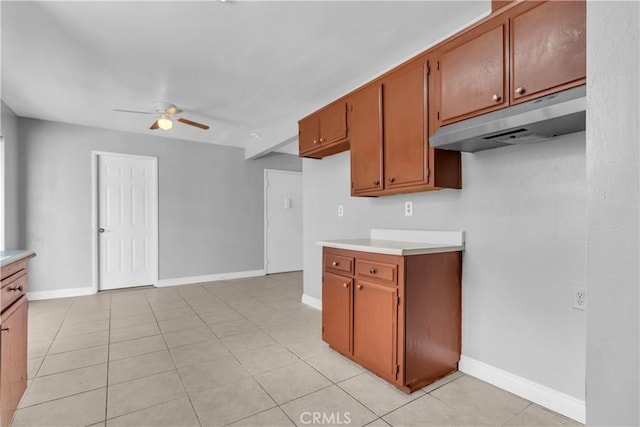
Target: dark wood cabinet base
397,316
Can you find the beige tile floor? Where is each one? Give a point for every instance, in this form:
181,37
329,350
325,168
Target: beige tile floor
243,353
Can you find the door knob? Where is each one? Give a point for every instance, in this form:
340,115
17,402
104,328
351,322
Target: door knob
100,230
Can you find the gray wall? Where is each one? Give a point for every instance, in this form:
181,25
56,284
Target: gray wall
211,202
523,210
613,111
11,218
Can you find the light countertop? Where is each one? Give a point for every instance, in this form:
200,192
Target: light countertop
8,257
402,242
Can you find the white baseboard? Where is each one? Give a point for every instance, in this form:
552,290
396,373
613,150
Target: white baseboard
209,278
312,302
554,400
60,293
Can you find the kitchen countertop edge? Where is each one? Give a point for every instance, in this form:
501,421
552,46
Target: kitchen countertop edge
390,247
14,256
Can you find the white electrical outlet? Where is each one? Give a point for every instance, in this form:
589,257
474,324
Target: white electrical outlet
579,298
408,208
340,210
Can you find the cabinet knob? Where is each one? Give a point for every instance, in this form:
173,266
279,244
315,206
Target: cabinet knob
519,90
372,271
345,285
496,97
315,141
359,287
5,329
335,263
376,182
391,179
16,288
322,140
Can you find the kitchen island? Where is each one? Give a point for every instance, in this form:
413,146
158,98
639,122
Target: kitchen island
392,303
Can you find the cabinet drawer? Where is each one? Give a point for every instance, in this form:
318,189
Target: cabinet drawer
12,289
338,263
377,270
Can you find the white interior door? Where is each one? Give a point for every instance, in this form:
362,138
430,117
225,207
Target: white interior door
283,221
127,221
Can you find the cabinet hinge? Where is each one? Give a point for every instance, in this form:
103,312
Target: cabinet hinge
438,65
398,300
397,369
351,107
428,69
428,173
438,115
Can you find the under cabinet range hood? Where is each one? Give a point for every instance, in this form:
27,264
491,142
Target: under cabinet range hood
533,121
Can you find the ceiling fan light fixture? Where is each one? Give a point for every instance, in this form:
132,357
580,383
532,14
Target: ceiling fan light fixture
165,122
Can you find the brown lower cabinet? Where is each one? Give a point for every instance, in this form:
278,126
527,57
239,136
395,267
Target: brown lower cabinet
13,338
397,316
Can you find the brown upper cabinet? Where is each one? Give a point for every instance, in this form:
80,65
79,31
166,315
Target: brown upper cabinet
548,48
528,50
325,132
473,73
404,95
388,133
365,136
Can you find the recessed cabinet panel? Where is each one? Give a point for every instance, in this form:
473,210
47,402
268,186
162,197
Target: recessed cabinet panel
336,312
548,49
13,355
473,74
333,123
308,134
365,135
404,123
375,314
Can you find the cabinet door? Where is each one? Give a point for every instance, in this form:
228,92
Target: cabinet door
336,311
308,138
375,317
333,123
548,45
365,136
473,74
13,359
404,112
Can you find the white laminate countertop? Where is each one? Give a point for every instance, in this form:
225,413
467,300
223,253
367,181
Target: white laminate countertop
402,242
8,257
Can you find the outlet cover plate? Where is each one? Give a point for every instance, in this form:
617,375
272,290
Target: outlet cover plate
340,210
579,298
408,208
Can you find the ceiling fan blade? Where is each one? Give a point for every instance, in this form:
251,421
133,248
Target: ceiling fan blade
133,111
173,110
192,123
154,126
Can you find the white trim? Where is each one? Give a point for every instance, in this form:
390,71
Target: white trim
60,293
155,202
554,400
312,302
266,220
209,278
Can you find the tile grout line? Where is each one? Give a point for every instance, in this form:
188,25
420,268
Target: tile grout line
193,408
106,397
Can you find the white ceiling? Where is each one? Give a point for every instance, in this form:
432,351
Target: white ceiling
242,67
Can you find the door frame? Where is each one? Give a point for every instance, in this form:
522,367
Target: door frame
153,203
266,177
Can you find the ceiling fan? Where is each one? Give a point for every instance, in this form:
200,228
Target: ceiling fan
167,115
